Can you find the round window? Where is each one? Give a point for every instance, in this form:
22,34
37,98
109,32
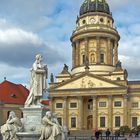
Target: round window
101,20
84,21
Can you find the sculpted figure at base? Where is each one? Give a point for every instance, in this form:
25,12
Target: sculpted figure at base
51,129
12,126
38,82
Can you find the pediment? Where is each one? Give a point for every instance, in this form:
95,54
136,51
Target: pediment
117,113
87,81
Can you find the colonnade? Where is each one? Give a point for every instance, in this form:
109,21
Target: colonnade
95,112
111,52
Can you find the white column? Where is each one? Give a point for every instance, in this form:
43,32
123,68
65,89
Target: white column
115,53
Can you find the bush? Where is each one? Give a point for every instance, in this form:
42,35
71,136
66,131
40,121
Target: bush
117,133
124,130
138,128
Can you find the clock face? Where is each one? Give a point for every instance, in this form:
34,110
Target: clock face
92,20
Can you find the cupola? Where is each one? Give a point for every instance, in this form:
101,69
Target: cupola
94,6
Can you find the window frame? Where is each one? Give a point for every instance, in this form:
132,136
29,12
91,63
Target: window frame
135,105
59,104
115,105
132,121
102,104
102,58
75,123
117,122
73,103
103,122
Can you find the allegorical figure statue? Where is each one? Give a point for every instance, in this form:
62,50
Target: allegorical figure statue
12,126
51,129
38,83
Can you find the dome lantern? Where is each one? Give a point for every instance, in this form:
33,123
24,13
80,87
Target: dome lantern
94,6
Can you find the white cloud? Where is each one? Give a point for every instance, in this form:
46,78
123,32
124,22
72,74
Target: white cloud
132,64
16,35
28,26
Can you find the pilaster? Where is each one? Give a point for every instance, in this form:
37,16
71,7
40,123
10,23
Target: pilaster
108,54
81,115
65,112
73,54
98,50
125,108
87,47
95,120
110,114
77,56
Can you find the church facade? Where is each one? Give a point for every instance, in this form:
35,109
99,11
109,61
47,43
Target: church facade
95,94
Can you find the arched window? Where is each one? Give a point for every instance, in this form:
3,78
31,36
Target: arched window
83,59
118,78
102,58
73,122
92,58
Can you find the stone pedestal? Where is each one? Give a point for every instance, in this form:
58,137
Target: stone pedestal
28,136
32,117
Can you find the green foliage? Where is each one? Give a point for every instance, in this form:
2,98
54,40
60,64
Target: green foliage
138,128
117,133
124,130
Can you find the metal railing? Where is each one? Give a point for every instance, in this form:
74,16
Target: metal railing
94,138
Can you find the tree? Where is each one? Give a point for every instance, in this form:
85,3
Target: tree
124,129
138,128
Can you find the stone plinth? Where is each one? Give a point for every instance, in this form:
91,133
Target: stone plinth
28,136
32,117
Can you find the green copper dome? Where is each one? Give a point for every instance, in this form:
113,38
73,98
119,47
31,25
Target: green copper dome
94,6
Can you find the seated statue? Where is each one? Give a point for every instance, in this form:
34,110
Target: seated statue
12,126
51,130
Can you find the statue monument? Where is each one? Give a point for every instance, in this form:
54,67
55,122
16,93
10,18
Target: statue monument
51,129
11,127
33,110
37,123
38,83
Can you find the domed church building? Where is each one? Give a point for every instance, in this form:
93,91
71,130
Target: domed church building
95,94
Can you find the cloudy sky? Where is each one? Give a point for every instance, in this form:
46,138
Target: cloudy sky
28,27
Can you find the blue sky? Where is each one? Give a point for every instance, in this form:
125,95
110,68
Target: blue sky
29,27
